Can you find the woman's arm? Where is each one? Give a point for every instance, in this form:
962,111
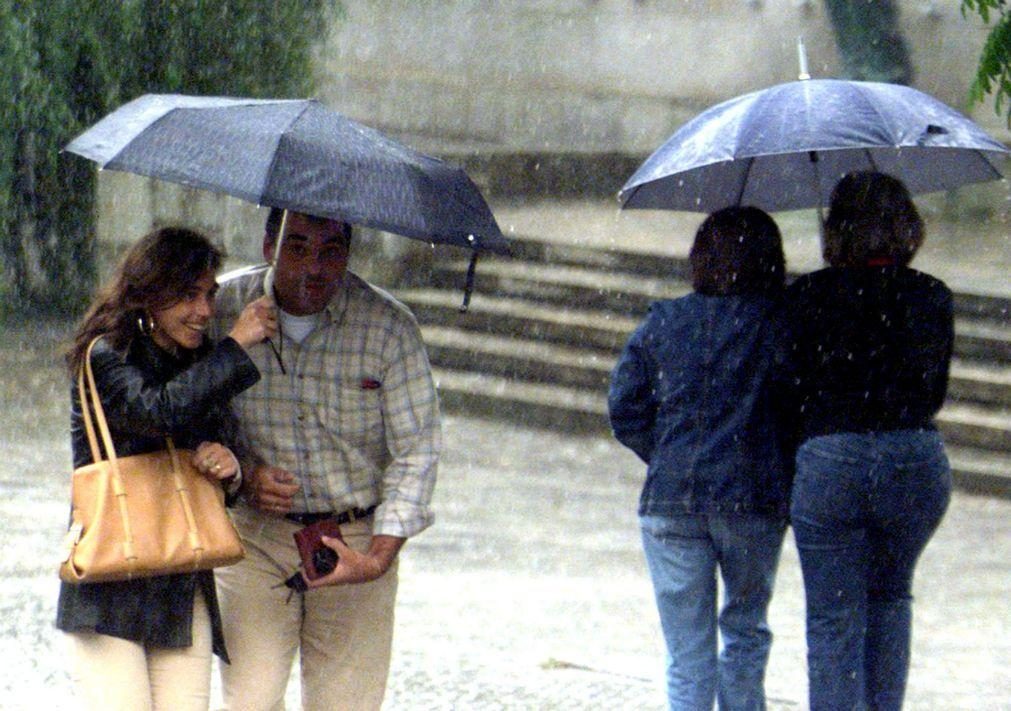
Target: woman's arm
136,404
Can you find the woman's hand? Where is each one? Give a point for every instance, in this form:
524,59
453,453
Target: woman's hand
258,321
215,461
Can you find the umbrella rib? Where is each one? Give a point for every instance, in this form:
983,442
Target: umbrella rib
280,137
870,159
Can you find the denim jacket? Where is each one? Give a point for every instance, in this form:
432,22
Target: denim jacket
691,396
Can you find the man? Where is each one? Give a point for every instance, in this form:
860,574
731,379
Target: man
345,425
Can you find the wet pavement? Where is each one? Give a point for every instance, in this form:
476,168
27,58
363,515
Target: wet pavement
530,592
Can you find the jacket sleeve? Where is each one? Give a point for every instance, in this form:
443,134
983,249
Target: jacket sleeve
631,400
136,405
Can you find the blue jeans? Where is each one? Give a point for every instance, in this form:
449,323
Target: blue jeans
683,553
863,508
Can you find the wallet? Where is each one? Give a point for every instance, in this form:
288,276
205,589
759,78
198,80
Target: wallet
317,558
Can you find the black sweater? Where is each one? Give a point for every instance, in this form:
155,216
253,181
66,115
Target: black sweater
865,349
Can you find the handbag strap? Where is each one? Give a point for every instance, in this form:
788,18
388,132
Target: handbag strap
86,373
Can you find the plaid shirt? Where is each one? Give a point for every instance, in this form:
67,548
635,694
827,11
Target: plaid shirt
356,417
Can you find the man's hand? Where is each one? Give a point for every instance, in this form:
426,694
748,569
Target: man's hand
271,489
354,567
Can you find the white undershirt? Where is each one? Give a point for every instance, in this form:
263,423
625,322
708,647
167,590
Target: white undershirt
297,327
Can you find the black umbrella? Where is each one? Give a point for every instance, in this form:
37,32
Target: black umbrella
785,148
297,155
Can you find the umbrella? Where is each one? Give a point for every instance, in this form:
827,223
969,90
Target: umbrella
297,155
785,148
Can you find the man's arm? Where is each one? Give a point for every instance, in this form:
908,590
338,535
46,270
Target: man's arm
354,567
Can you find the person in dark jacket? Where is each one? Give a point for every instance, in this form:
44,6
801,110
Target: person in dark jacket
865,367
690,397
147,643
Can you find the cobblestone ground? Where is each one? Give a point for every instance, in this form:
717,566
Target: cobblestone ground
530,592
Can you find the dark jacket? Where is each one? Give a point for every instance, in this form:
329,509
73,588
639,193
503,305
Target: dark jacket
865,349
147,394
690,396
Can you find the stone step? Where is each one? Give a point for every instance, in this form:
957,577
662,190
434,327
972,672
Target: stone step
536,361
980,472
569,285
578,410
980,382
983,340
963,425
629,294
529,247
527,356
974,426
515,317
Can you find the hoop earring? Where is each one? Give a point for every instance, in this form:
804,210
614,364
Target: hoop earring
145,324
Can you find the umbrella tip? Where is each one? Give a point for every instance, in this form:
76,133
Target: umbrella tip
802,59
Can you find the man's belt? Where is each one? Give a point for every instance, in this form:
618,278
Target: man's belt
307,519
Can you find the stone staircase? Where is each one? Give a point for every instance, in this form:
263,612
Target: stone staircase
545,327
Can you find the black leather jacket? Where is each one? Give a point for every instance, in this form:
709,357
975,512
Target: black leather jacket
147,394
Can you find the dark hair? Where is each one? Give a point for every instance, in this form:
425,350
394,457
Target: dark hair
155,273
871,216
272,227
737,250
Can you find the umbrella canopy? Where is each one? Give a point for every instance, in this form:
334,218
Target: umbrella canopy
785,148
297,155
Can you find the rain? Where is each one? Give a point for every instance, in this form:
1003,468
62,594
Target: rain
530,591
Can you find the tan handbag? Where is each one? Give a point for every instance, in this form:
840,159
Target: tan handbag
143,515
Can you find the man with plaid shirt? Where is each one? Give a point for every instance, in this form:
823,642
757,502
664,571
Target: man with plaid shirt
345,426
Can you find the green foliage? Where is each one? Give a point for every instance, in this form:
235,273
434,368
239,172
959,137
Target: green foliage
994,73
66,63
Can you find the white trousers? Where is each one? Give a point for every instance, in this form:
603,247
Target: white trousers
343,634
113,674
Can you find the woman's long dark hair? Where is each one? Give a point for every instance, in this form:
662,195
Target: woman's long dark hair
738,250
156,273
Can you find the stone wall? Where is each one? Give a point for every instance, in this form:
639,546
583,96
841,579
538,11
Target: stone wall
596,75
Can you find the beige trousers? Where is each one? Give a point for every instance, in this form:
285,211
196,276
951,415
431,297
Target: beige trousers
343,634
113,674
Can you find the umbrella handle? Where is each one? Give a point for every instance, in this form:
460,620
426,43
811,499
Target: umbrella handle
468,286
268,278
268,282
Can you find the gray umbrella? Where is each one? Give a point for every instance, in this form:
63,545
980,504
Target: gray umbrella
785,148
297,155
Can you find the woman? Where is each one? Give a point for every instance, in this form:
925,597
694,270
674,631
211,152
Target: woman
866,368
147,643
689,396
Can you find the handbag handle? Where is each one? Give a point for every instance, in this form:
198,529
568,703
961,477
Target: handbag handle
119,492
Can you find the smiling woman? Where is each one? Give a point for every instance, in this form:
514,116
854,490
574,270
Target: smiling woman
182,324
158,375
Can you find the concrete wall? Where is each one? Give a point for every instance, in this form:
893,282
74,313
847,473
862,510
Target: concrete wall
596,75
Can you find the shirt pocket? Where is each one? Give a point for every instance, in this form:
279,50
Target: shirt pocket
353,408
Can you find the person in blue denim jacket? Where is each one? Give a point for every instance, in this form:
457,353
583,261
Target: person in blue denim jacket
866,351
690,396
